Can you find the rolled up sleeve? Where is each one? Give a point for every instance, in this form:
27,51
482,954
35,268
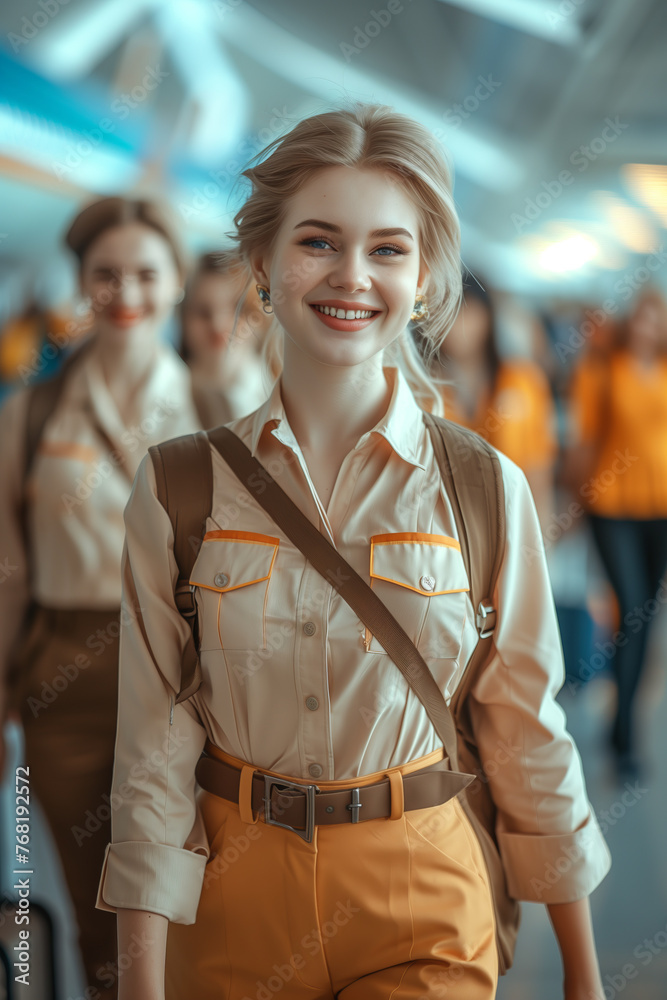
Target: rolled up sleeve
551,845
159,849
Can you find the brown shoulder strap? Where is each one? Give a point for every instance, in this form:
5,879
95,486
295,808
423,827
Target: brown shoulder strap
352,588
184,481
471,471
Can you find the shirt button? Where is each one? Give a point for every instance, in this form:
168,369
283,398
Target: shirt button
221,579
312,703
310,628
315,770
427,583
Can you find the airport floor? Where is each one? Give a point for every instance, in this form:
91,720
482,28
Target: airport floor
629,907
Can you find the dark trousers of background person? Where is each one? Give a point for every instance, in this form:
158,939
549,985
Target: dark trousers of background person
67,696
634,555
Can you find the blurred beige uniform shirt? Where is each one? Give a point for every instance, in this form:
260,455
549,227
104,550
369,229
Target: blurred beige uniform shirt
79,485
292,683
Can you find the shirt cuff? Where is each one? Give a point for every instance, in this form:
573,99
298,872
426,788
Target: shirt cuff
156,877
558,868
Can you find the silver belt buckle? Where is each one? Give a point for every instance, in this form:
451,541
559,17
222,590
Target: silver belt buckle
308,790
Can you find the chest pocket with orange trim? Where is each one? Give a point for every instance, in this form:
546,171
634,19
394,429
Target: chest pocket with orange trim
422,580
232,575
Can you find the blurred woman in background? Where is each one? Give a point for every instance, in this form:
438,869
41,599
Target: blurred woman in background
223,326
506,400
618,461
71,447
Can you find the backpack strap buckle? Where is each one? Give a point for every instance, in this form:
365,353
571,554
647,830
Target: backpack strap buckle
184,597
486,619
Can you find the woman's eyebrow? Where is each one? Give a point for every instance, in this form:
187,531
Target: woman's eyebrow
319,224
392,232
337,229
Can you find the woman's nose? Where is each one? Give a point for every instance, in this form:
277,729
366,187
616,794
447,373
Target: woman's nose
129,291
350,273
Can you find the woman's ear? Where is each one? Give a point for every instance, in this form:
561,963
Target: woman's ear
424,279
260,266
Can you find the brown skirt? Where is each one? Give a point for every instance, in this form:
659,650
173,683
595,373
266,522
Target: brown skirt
66,693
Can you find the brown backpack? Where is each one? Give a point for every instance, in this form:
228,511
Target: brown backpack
472,475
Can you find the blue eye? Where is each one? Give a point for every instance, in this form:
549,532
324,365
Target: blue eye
391,251
313,243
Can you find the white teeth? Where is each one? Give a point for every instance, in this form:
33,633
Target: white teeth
345,313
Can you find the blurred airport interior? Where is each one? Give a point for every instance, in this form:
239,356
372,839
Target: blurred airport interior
553,114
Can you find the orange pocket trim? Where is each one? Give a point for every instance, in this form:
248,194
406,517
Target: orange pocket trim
398,538
414,538
243,536
69,449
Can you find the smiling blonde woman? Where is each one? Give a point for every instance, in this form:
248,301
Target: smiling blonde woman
349,229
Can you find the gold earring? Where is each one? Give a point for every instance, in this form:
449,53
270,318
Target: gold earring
420,309
265,299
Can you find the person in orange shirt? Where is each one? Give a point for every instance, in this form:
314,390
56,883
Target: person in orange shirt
618,457
506,400
351,232
223,328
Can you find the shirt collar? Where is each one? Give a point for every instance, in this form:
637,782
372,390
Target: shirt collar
165,387
402,425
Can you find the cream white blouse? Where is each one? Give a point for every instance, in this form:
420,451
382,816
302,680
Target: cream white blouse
79,485
292,683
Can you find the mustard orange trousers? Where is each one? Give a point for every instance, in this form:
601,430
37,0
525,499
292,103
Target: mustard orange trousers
394,907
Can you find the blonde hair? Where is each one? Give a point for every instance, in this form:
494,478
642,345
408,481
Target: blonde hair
377,137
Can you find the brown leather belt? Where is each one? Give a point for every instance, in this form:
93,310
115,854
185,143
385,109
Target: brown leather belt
300,807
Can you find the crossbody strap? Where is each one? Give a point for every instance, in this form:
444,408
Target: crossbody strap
353,589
